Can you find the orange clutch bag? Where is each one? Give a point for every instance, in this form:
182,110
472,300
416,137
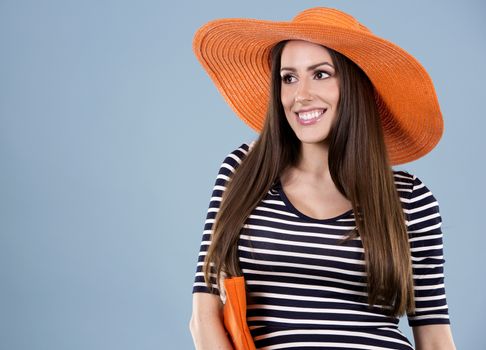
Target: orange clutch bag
234,314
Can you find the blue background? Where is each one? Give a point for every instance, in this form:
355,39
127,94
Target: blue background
111,136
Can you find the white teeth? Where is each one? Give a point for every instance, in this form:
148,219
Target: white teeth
311,115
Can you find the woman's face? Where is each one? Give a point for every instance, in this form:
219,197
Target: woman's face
309,90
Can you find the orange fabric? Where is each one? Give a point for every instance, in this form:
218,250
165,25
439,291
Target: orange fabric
235,54
234,314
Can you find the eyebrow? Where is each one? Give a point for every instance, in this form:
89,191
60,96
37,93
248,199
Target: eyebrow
308,68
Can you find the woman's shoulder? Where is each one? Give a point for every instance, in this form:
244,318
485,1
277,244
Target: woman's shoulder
409,183
403,183
247,145
236,155
403,177
420,204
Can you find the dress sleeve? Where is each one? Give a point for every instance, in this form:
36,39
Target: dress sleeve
425,237
226,169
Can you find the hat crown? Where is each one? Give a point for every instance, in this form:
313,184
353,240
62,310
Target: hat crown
329,17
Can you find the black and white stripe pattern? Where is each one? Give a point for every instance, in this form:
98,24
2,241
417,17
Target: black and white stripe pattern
306,291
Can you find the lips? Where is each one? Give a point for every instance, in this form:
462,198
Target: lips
310,117
310,111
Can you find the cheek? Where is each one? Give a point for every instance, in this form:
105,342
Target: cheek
335,93
286,97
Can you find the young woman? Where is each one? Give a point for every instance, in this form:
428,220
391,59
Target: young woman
334,244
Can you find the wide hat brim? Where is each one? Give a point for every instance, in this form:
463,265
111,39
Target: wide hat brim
235,54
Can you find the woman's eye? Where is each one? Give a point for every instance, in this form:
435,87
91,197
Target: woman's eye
320,74
286,78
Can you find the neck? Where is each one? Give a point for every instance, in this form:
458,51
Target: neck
312,167
313,160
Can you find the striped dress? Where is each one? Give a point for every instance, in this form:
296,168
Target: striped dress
305,291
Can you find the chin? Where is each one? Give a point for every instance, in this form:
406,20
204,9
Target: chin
319,141
316,138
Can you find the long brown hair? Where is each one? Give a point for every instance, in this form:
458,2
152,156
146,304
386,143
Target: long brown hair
359,167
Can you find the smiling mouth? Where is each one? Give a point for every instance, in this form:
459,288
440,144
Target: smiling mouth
311,116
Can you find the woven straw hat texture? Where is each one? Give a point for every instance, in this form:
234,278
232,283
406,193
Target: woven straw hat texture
235,54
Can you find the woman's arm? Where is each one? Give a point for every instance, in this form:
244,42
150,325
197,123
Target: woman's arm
430,321
206,325
207,329
433,337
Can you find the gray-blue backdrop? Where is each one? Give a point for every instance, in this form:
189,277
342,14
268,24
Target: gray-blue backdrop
111,136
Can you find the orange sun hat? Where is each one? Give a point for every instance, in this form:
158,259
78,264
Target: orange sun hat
235,52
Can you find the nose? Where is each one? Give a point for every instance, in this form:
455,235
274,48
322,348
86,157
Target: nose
303,92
